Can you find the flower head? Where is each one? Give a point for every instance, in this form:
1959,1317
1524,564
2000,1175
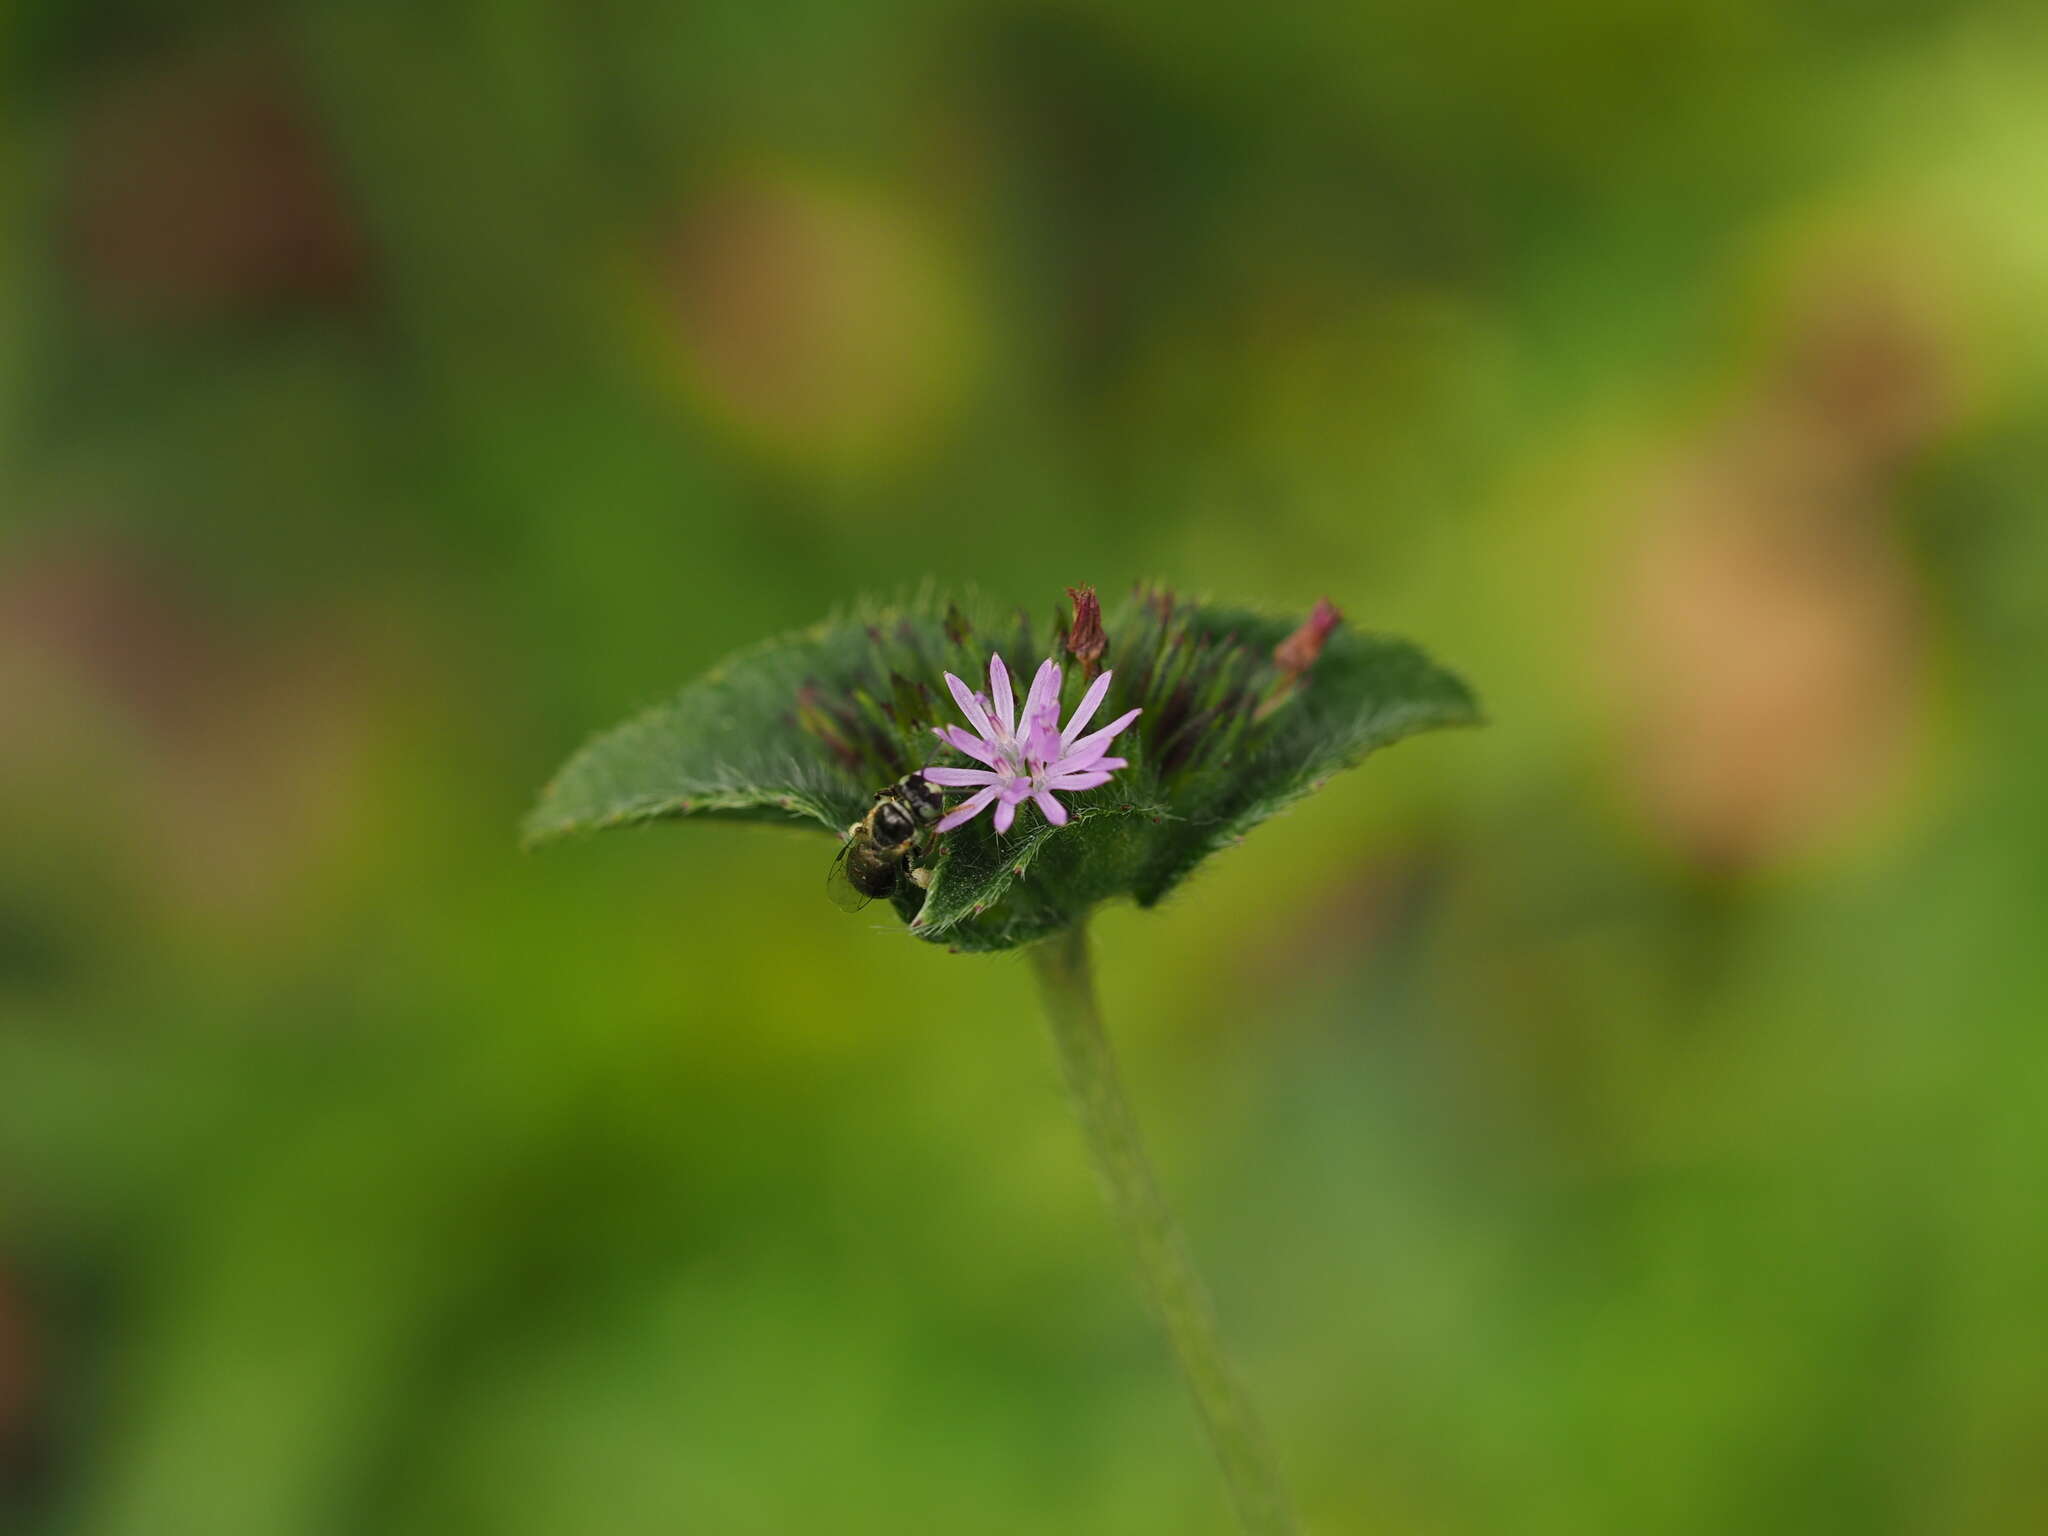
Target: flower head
1241,718
1027,754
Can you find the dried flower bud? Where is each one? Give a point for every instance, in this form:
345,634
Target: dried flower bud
1298,652
1086,642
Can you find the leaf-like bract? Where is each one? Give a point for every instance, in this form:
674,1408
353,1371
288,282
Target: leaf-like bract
808,726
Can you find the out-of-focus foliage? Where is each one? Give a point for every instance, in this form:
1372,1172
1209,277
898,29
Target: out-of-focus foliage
1630,1117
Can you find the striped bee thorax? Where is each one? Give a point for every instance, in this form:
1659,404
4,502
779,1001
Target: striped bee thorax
891,825
921,799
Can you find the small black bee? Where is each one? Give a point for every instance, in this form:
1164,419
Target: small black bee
878,847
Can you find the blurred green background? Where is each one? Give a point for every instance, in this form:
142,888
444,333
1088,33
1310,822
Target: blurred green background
1632,1117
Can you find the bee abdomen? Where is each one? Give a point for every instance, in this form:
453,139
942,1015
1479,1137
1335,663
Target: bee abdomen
872,876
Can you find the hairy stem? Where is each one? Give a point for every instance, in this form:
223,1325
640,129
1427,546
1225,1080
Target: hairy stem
1067,984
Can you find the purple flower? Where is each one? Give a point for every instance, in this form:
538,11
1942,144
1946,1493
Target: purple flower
1028,755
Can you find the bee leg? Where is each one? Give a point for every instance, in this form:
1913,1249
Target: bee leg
921,878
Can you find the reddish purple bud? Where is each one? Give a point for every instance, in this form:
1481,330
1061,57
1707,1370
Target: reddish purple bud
1086,642
1298,652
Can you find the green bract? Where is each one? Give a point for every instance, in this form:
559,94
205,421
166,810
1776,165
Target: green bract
808,726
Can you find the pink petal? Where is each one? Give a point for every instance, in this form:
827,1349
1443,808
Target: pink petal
1085,710
999,690
1097,764
966,741
970,706
1074,762
963,778
1053,811
1045,690
966,810
1093,743
1043,745
1006,812
1070,783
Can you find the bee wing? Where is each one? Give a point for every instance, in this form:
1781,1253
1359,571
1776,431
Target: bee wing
839,887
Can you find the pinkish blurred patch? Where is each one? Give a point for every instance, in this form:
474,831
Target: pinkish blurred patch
215,766
820,324
1770,648
199,186
17,1380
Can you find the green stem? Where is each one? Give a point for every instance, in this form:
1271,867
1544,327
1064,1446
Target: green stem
1066,982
